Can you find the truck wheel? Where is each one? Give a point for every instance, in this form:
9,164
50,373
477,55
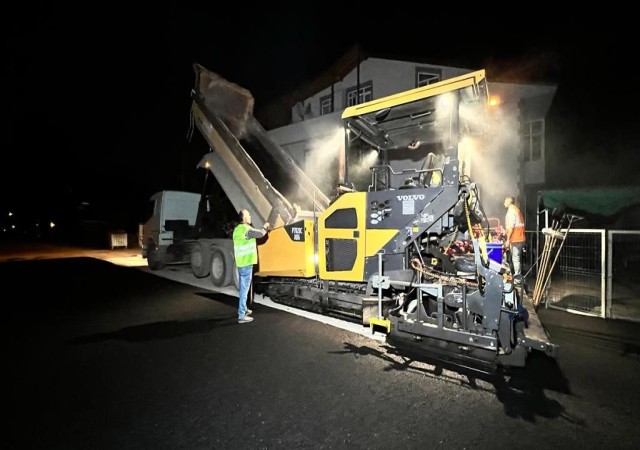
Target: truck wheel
220,270
156,259
200,264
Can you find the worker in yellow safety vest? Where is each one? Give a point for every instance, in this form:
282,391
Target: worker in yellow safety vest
246,255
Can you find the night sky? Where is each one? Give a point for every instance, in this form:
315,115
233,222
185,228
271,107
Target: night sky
96,99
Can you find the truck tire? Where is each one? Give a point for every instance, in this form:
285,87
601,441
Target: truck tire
200,260
156,257
220,268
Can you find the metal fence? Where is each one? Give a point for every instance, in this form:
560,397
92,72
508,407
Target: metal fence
623,267
594,273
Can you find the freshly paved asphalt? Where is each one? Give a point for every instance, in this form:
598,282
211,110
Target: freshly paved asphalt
101,356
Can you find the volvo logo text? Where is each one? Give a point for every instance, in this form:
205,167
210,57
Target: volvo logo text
404,198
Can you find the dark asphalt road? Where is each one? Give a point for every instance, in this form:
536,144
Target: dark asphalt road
99,356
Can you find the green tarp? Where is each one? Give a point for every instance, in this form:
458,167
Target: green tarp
600,201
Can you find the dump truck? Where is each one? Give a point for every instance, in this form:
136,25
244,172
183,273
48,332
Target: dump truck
179,225
381,251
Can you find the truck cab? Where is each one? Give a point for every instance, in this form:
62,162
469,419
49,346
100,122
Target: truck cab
171,218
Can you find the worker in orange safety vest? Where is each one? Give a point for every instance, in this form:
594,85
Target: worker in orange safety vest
514,237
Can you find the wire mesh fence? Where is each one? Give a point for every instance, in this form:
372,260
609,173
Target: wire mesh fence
623,266
578,283
595,274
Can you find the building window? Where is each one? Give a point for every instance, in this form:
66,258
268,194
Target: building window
326,105
425,76
534,140
365,94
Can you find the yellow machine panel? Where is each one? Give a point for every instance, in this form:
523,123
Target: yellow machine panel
376,239
341,238
288,251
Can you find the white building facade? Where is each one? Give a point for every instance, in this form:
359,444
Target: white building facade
514,165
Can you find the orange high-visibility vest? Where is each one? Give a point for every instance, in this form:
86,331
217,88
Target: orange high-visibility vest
515,221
